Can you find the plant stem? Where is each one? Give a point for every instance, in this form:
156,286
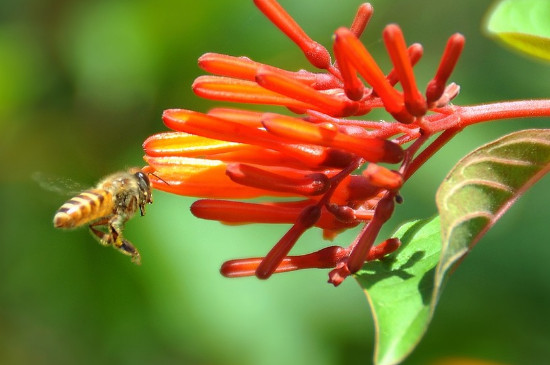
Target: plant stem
463,116
429,151
504,110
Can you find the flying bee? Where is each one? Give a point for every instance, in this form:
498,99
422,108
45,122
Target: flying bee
107,207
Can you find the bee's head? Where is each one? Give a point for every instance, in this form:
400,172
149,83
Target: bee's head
144,185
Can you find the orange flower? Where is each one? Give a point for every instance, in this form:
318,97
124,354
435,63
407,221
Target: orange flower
313,156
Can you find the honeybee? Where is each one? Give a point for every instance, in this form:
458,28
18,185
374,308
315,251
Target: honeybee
107,207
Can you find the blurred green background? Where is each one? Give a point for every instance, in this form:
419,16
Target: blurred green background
83,83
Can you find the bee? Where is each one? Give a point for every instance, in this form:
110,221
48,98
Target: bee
107,207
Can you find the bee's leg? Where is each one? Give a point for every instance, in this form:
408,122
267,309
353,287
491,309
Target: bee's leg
114,237
128,249
120,243
105,239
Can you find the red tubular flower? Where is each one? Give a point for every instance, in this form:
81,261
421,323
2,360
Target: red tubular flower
306,184
307,218
362,18
232,212
216,128
436,87
323,259
316,54
246,69
415,53
397,49
349,49
311,158
370,149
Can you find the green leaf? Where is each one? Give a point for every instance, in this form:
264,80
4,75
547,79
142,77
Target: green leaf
523,25
404,287
400,290
483,185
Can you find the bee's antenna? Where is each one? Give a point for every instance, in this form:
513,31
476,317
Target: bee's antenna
158,177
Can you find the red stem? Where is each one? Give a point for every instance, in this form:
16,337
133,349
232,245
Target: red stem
429,152
504,110
463,116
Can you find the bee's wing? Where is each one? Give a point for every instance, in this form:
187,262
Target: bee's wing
59,185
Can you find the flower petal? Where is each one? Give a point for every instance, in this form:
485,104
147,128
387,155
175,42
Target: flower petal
352,49
397,49
306,184
241,91
322,259
317,55
329,104
371,149
207,126
185,144
453,49
198,177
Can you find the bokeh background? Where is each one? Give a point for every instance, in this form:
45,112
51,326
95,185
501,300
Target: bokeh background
83,83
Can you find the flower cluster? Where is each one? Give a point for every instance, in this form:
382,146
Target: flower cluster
323,155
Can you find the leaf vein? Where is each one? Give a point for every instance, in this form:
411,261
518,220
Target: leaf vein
489,183
500,160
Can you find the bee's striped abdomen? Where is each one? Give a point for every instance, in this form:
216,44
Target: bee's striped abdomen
83,208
